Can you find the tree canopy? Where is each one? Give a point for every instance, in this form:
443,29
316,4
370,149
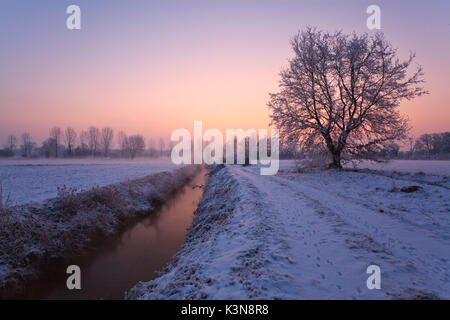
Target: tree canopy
343,91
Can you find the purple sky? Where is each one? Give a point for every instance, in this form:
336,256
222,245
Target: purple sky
154,66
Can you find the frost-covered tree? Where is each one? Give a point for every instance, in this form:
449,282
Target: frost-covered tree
343,91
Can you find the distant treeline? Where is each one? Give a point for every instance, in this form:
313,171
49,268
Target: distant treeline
428,146
104,143
93,142
433,146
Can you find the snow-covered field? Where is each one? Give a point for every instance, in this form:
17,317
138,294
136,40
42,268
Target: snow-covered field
37,180
429,167
436,167
311,234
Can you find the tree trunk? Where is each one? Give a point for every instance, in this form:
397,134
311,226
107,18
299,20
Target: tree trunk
336,164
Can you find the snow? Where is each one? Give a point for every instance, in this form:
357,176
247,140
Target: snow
311,235
429,167
435,167
71,224
35,180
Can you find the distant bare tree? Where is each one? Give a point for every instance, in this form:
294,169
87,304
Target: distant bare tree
84,140
94,140
445,143
136,145
162,145
411,140
12,143
433,144
425,144
55,134
123,143
48,147
27,144
107,140
70,137
343,91
171,145
151,147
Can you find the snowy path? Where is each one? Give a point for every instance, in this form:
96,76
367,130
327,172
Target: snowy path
319,268
312,236
409,258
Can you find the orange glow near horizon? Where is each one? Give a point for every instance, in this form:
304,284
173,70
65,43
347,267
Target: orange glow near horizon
151,74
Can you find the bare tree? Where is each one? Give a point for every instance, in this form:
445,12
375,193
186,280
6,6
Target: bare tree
445,143
12,143
84,140
123,143
151,147
425,144
27,144
170,146
411,140
343,91
48,147
136,145
70,137
107,140
55,134
94,140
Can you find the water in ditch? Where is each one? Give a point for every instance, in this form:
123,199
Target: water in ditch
135,255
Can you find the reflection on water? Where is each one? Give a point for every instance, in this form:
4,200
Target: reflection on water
136,255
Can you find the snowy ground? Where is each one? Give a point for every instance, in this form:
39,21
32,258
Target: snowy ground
435,167
312,234
439,168
38,179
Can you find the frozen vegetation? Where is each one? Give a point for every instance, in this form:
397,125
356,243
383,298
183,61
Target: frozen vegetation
311,234
34,235
38,179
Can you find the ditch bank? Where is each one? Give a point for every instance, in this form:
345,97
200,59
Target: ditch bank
32,238
224,256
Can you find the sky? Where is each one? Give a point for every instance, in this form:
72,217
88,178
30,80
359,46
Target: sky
151,67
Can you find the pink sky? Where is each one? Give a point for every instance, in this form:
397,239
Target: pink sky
152,67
